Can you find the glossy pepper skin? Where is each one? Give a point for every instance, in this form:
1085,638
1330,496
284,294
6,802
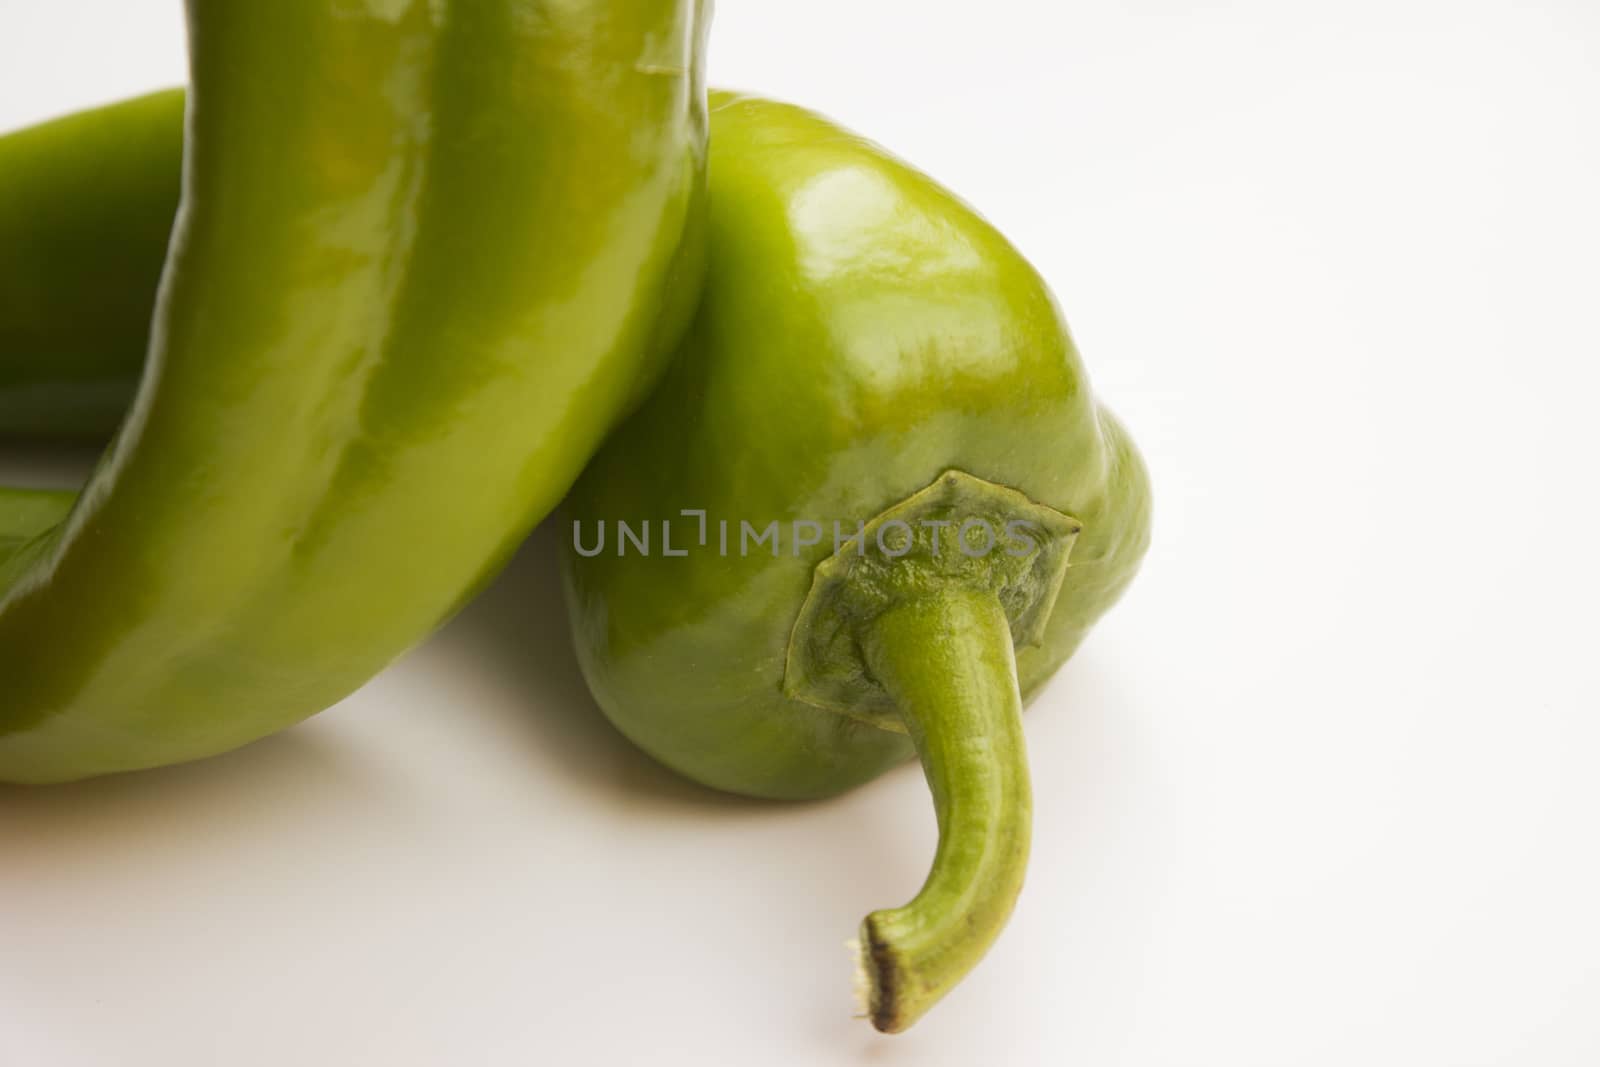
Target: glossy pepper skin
867,349
427,253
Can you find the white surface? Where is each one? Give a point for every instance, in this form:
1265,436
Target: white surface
1322,791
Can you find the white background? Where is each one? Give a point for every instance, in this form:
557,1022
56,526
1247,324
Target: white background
1323,790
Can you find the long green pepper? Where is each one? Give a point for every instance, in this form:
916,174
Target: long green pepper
427,253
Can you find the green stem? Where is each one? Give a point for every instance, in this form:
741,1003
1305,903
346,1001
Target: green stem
946,659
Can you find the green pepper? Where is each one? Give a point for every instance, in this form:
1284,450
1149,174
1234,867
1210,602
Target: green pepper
427,254
869,354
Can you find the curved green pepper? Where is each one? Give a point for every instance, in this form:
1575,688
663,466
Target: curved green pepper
428,252
868,350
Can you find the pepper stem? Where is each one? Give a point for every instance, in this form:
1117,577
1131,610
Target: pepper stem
946,659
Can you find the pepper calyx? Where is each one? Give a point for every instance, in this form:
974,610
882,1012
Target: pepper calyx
960,531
